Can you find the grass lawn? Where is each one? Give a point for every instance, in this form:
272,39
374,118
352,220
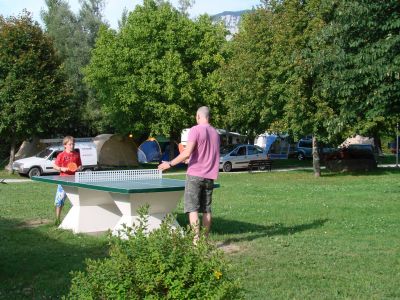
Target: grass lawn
299,237
287,235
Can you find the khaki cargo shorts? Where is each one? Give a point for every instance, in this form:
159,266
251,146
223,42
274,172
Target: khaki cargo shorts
198,194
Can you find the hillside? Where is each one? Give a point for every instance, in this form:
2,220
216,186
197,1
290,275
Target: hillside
231,20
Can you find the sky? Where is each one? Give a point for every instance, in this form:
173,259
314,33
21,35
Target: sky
113,9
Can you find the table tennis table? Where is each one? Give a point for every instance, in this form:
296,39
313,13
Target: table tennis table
106,200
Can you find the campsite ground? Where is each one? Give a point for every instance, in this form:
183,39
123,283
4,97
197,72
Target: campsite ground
287,235
277,164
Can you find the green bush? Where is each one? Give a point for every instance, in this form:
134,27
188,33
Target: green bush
162,264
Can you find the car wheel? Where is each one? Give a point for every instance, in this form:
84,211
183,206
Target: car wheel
35,171
227,167
300,156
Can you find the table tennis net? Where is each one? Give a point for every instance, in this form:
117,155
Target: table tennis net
119,175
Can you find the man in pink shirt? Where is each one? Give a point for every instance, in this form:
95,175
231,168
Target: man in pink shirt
202,150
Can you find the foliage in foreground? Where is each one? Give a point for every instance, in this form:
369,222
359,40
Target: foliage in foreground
161,264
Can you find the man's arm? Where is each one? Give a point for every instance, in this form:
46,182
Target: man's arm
165,165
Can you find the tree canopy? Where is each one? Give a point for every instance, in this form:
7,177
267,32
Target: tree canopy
327,68
319,67
33,91
359,59
74,36
244,76
154,73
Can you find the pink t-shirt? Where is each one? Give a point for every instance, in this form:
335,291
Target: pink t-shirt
204,160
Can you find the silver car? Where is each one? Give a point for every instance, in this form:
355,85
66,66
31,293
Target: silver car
239,156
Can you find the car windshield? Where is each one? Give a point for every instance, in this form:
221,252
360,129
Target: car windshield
254,150
226,149
305,144
44,153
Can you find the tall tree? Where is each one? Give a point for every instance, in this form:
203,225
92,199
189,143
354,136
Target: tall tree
156,71
244,76
360,66
91,18
322,67
74,37
275,83
343,73
297,27
34,96
184,5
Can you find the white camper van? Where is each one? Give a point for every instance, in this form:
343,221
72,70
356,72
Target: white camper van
42,163
226,137
276,145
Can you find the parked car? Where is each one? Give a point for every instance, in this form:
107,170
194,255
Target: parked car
42,163
353,157
355,151
392,146
239,156
304,149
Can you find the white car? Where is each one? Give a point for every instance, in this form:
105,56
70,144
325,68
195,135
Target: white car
239,156
42,163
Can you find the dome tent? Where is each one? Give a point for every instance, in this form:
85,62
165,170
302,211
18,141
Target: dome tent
357,140
162,141
276,145
151,149
142,157
166,154
114,150
30,148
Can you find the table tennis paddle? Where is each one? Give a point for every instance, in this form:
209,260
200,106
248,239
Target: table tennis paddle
72,167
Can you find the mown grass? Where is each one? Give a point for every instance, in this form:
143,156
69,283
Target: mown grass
288,235
306,238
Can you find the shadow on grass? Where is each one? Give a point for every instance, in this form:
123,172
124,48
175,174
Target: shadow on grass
250,231
36,262
378,172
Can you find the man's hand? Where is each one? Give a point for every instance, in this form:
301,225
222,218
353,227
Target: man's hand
165,165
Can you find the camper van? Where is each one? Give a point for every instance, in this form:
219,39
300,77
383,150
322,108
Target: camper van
42,163
226,137
276,145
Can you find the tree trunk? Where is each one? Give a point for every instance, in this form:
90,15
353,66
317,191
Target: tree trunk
12,155
173,136
316,158
378,144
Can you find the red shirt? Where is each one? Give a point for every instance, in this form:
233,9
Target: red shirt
64,158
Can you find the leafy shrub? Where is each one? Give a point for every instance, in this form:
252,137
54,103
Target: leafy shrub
162,264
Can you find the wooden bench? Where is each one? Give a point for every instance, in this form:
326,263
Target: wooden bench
260,164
